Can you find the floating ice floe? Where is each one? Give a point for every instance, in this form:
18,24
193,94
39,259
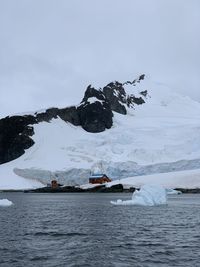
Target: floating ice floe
170,191
148,195
5,203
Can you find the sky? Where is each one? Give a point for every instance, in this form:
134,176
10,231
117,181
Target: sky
50,50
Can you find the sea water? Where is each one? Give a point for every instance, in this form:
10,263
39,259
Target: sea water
86,230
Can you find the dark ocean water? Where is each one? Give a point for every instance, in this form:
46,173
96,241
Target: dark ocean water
86,230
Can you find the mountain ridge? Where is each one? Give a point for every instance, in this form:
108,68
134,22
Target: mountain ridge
93,116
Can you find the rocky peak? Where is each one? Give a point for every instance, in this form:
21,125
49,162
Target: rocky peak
92,92
119,99
116,96
137,80
94,111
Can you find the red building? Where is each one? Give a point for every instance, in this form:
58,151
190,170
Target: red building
99,179
54,184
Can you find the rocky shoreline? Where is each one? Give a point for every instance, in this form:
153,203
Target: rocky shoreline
189,190
97,189
100,189
74,189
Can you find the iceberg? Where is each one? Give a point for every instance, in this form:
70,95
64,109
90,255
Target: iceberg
148,195
171,191
5,203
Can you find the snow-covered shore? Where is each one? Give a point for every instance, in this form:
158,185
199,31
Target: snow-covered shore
182,179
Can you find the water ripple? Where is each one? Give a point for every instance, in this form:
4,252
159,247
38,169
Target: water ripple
85,230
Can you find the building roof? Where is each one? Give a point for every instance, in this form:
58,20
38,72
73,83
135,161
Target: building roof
98,175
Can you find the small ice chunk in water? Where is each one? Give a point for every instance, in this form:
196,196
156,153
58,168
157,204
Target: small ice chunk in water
5,203
170,191
148,195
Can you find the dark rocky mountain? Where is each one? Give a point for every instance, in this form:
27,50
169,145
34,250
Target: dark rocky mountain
116,96
94,114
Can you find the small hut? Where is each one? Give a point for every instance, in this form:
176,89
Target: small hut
99,179
54,184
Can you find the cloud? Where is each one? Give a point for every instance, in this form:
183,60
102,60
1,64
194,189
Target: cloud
51,50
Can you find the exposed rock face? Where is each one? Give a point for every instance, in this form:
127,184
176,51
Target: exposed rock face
15,135
131,100
94,114
16,131
94,111
116,96
47,115
118,99
92,92
144,93
70,114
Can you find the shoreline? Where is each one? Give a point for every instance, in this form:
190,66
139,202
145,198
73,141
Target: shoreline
98,189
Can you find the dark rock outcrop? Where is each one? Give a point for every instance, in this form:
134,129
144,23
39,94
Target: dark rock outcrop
15,135
94,111
116,97
131,100
92,92
70,114
113,189
47,115
118,188
63,189
144,93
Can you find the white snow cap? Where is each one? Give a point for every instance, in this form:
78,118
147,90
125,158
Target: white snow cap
5,203
148,195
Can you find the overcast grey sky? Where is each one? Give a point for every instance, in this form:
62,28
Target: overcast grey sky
50,50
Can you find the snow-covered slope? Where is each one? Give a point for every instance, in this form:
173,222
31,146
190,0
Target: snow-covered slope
165,129
182,179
